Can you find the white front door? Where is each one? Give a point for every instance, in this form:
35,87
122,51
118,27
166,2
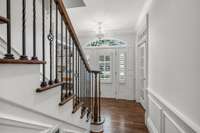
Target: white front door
142,70
112,64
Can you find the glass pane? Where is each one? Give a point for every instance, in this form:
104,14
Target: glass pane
107,58
101,58
107,67
122,66
122,73
101,66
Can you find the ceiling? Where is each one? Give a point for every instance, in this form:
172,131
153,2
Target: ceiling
116,15
74,3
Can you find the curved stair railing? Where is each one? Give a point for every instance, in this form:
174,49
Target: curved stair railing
70,70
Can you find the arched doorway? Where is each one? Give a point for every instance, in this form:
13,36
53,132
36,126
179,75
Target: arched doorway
110,57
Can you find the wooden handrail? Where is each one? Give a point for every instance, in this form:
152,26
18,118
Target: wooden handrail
63,12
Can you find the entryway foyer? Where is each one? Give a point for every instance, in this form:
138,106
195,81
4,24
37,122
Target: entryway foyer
94,66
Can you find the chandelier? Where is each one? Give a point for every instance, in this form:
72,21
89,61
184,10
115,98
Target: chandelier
100,33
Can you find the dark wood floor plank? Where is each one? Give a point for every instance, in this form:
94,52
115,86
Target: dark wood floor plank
123,117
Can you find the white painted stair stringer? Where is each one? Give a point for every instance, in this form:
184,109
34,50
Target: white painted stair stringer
19,99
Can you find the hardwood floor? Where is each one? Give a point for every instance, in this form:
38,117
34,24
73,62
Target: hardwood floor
123,116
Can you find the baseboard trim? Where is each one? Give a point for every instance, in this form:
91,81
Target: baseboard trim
115,99
151,126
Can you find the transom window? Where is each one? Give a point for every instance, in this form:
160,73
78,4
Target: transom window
106,43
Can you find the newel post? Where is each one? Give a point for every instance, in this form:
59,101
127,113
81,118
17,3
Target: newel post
97,121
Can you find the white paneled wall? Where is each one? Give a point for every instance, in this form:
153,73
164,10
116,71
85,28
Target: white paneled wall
173,67
164,118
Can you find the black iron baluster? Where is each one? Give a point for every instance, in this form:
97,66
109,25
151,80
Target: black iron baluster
79,78
61,61
66,59
61,49
34,31
99,91
8,55
70,69
85,76
95,99
86,102
23,56
76,76
56,52
43,84
86,88
50,38
73,71
83,83
92,92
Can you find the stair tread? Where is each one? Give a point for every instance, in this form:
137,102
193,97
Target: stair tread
66,100
17,61
49,87
3,20
77,107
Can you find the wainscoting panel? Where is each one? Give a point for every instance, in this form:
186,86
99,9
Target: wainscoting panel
170,125
155,112
162,118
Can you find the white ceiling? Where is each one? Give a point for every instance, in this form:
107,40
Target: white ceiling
74,3
116,15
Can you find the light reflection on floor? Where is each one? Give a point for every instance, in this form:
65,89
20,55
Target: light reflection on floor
123,117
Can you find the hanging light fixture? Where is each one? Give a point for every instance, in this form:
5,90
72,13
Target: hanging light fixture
100,33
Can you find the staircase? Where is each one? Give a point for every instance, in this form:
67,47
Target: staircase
51,89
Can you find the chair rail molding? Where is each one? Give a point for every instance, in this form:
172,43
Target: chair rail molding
170,119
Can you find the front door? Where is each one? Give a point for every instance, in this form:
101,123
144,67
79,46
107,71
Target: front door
112,63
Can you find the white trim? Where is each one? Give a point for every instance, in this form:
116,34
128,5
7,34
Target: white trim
166,115
39,113
160,111
13,121
151,126
173,109
96,128
68,131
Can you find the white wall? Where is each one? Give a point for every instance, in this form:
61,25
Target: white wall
129,92
174,58
18,100
16,28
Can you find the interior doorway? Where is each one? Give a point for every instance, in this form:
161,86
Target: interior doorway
142,74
